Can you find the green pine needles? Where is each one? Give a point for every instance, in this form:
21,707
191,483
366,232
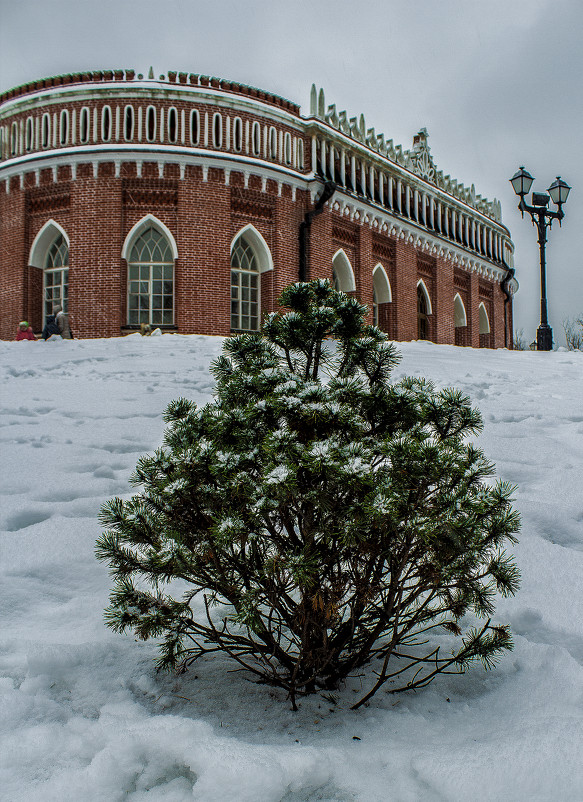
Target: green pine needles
322,517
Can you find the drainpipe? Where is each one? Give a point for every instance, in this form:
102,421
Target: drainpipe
327,192
504,285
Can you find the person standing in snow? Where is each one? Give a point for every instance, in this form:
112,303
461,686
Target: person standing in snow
25,331
63,323
51,328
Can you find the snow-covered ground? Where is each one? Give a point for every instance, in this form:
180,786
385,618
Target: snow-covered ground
84,716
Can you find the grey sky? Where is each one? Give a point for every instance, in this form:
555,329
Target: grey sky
497,83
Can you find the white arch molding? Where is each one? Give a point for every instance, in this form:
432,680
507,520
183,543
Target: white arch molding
382,285
425,292
344,272
259,245
484,320
43,241
146,222
459,311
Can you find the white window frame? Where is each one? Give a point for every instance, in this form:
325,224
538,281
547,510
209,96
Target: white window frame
237,135
84,123
106,113
129,110
172,111
195,115
217,127
64,127
151,110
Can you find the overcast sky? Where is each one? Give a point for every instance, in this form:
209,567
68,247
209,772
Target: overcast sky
497,83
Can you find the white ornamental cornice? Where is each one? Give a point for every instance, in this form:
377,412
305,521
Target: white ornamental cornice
420,238
418,160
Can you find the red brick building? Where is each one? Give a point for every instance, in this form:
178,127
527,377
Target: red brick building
190,202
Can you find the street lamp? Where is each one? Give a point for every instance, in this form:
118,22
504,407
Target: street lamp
542,218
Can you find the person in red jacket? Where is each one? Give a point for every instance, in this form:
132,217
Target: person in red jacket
24,331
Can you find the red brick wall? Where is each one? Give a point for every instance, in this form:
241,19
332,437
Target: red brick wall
204,217
204,211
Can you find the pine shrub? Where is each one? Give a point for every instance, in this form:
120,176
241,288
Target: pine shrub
322,517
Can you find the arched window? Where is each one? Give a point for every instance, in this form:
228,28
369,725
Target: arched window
172,125
460,320
300,154
288,148
245,285
14,139
238,134
56,277
342,273
273,142
485,330
151,124
84,126
217,130
46,131
256,139
484,321
423,312
106,124
194,127
64,127
381,294
128,125
29,138
151,280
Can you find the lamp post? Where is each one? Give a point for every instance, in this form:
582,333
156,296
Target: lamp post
542,218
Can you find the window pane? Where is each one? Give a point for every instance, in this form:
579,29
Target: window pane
167,318
157,272
134,272
167,288
156,302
